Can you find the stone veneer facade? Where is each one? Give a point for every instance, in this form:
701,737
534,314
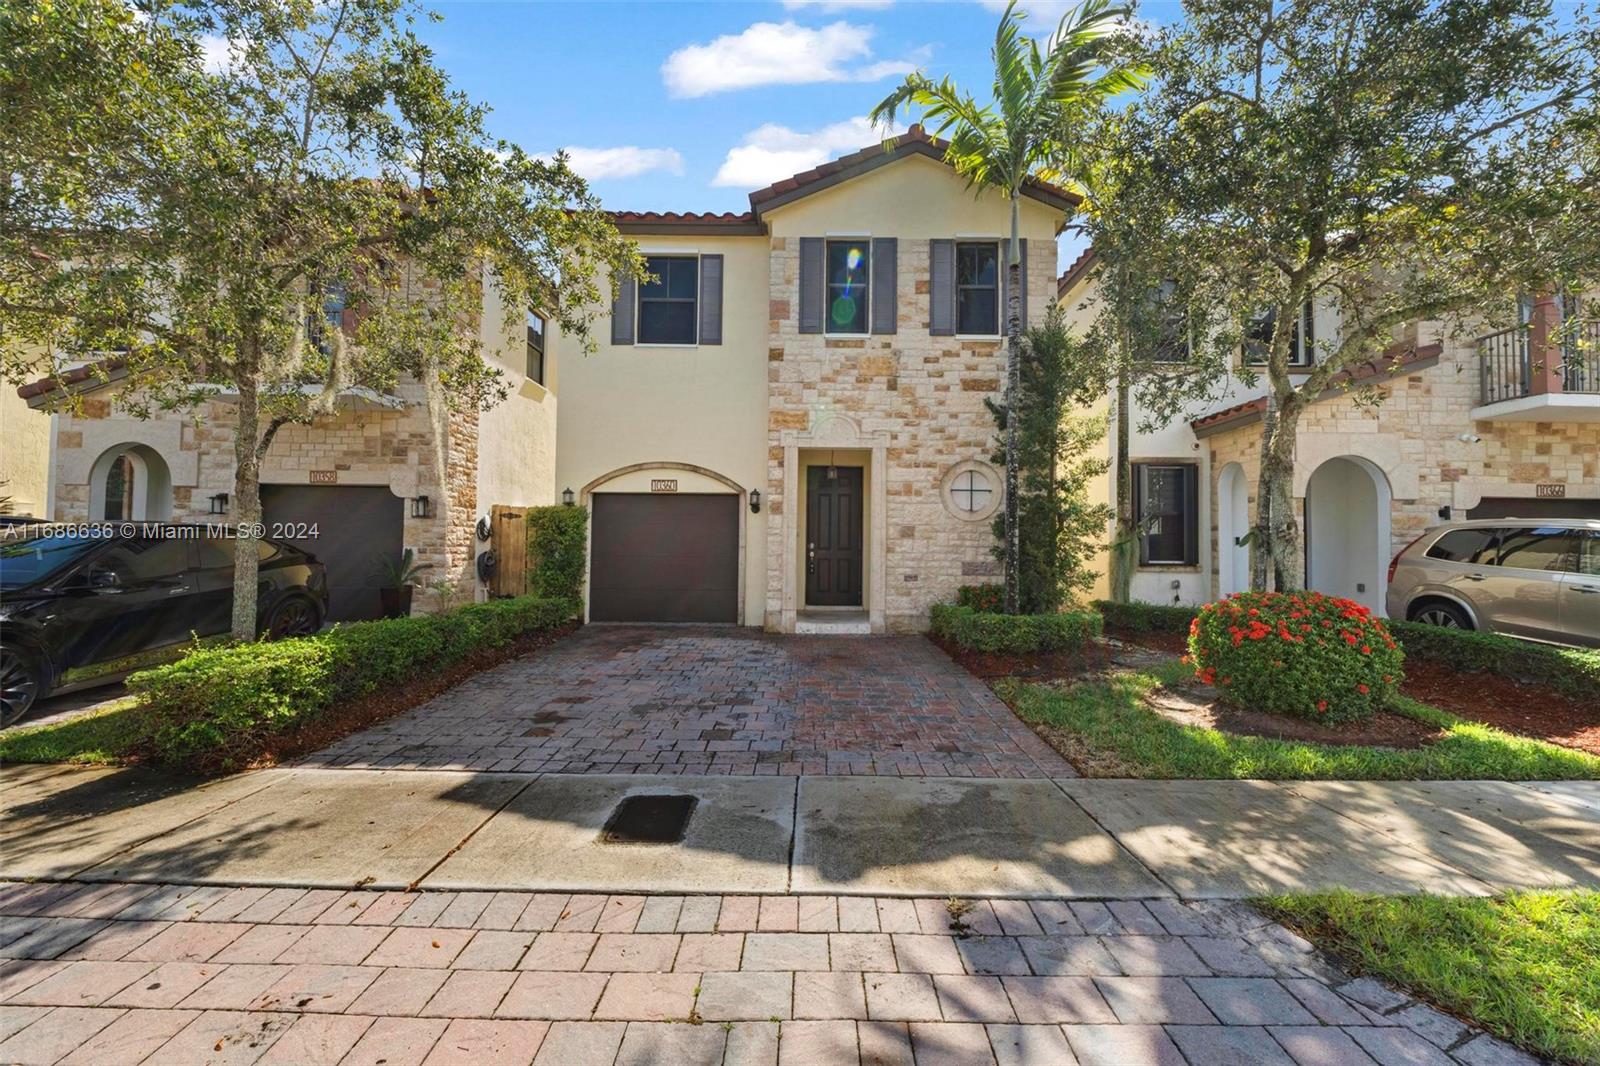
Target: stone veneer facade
919,398
1414,437
368,447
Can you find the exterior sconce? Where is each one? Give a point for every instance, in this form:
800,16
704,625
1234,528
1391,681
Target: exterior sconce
421,507
567,498
219,503
755,501
1444,512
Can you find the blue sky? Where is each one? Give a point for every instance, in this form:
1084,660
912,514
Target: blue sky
673,106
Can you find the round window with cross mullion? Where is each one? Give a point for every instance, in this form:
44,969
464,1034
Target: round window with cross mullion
971,490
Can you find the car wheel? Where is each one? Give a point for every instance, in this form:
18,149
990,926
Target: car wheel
1443,614
19,684
295,616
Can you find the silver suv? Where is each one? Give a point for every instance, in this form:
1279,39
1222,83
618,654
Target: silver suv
1524,577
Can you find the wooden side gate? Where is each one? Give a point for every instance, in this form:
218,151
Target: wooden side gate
509,539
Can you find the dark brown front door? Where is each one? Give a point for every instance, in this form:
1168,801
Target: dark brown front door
833,536
664,558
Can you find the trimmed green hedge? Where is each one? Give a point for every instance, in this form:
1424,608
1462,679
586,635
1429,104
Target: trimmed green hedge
982,597
557,540
1145,617
1014,634
215,708
1571,670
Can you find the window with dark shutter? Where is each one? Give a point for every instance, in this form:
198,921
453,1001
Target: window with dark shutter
535,368
1167,513
941,288
885,285
622,309
711,299
668,302
811,283
978,288
849,265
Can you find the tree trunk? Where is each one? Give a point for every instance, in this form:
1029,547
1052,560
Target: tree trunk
1013,387
246,509
1276,548
1124,542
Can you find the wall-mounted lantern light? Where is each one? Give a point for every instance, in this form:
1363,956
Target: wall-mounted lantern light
566,497
755,501
421,507
219,503
1444,512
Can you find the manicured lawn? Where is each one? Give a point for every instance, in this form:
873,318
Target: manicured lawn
106,736
1105,727
1525,966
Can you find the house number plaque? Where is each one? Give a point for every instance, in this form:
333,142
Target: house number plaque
324,477
664,484
1550,492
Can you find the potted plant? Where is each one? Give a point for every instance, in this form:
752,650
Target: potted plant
399,576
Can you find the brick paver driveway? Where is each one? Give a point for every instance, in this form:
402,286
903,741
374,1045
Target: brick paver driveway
677,700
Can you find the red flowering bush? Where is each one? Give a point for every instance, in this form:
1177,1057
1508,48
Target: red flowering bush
1300,653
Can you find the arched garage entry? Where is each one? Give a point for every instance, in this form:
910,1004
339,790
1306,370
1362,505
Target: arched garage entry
1348,503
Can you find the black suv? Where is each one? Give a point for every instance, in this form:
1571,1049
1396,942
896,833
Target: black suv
83,607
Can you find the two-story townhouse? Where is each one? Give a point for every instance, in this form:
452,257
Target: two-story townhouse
1495,425
786,425
383,474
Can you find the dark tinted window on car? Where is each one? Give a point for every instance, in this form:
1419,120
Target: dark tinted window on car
1539,549
146,559
1466,546
23,562
217,551
1589,553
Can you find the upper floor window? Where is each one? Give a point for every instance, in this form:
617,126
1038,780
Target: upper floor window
334,297
1302,342
668,302
1173,342
978,288
848,264
535,347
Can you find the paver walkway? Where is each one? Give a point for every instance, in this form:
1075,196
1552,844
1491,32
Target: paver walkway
173,974
703,700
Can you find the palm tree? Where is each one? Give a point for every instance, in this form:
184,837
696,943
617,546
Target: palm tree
1042,97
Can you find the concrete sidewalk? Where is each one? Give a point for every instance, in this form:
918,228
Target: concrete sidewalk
1080,839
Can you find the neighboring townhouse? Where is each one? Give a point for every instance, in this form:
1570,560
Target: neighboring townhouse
378,477
1471,426
787,428
25,458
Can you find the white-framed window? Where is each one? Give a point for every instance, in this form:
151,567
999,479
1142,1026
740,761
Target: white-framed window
1302,343
847,265
978,268
1167,513
669,303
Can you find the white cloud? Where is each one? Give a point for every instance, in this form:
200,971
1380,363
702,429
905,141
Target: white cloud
216,53
773,152
778,53
626,161
1043,16
831,6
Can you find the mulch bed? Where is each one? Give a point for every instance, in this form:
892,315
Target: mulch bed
1528,710
339,722
1050,666
1196,705
1521,708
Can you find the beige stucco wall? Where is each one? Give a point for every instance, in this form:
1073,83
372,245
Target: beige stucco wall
24,454
701,406
911,400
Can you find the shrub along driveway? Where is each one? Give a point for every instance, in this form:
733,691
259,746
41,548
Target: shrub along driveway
632,699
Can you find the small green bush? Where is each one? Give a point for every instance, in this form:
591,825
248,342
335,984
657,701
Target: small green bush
1145,617
1574,671
1014,634
215,708
982,597
557,541
1299,653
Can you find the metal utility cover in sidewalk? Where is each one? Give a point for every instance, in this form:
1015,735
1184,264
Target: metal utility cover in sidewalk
901,836
548,838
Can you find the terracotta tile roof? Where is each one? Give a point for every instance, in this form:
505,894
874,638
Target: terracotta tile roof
681,216
1394,360
1080,266
700,222
915,141
95,372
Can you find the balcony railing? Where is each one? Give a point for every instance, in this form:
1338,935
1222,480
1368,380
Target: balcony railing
1503,365
1580,360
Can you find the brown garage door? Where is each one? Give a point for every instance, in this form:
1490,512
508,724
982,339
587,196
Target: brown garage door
356,526
659,558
